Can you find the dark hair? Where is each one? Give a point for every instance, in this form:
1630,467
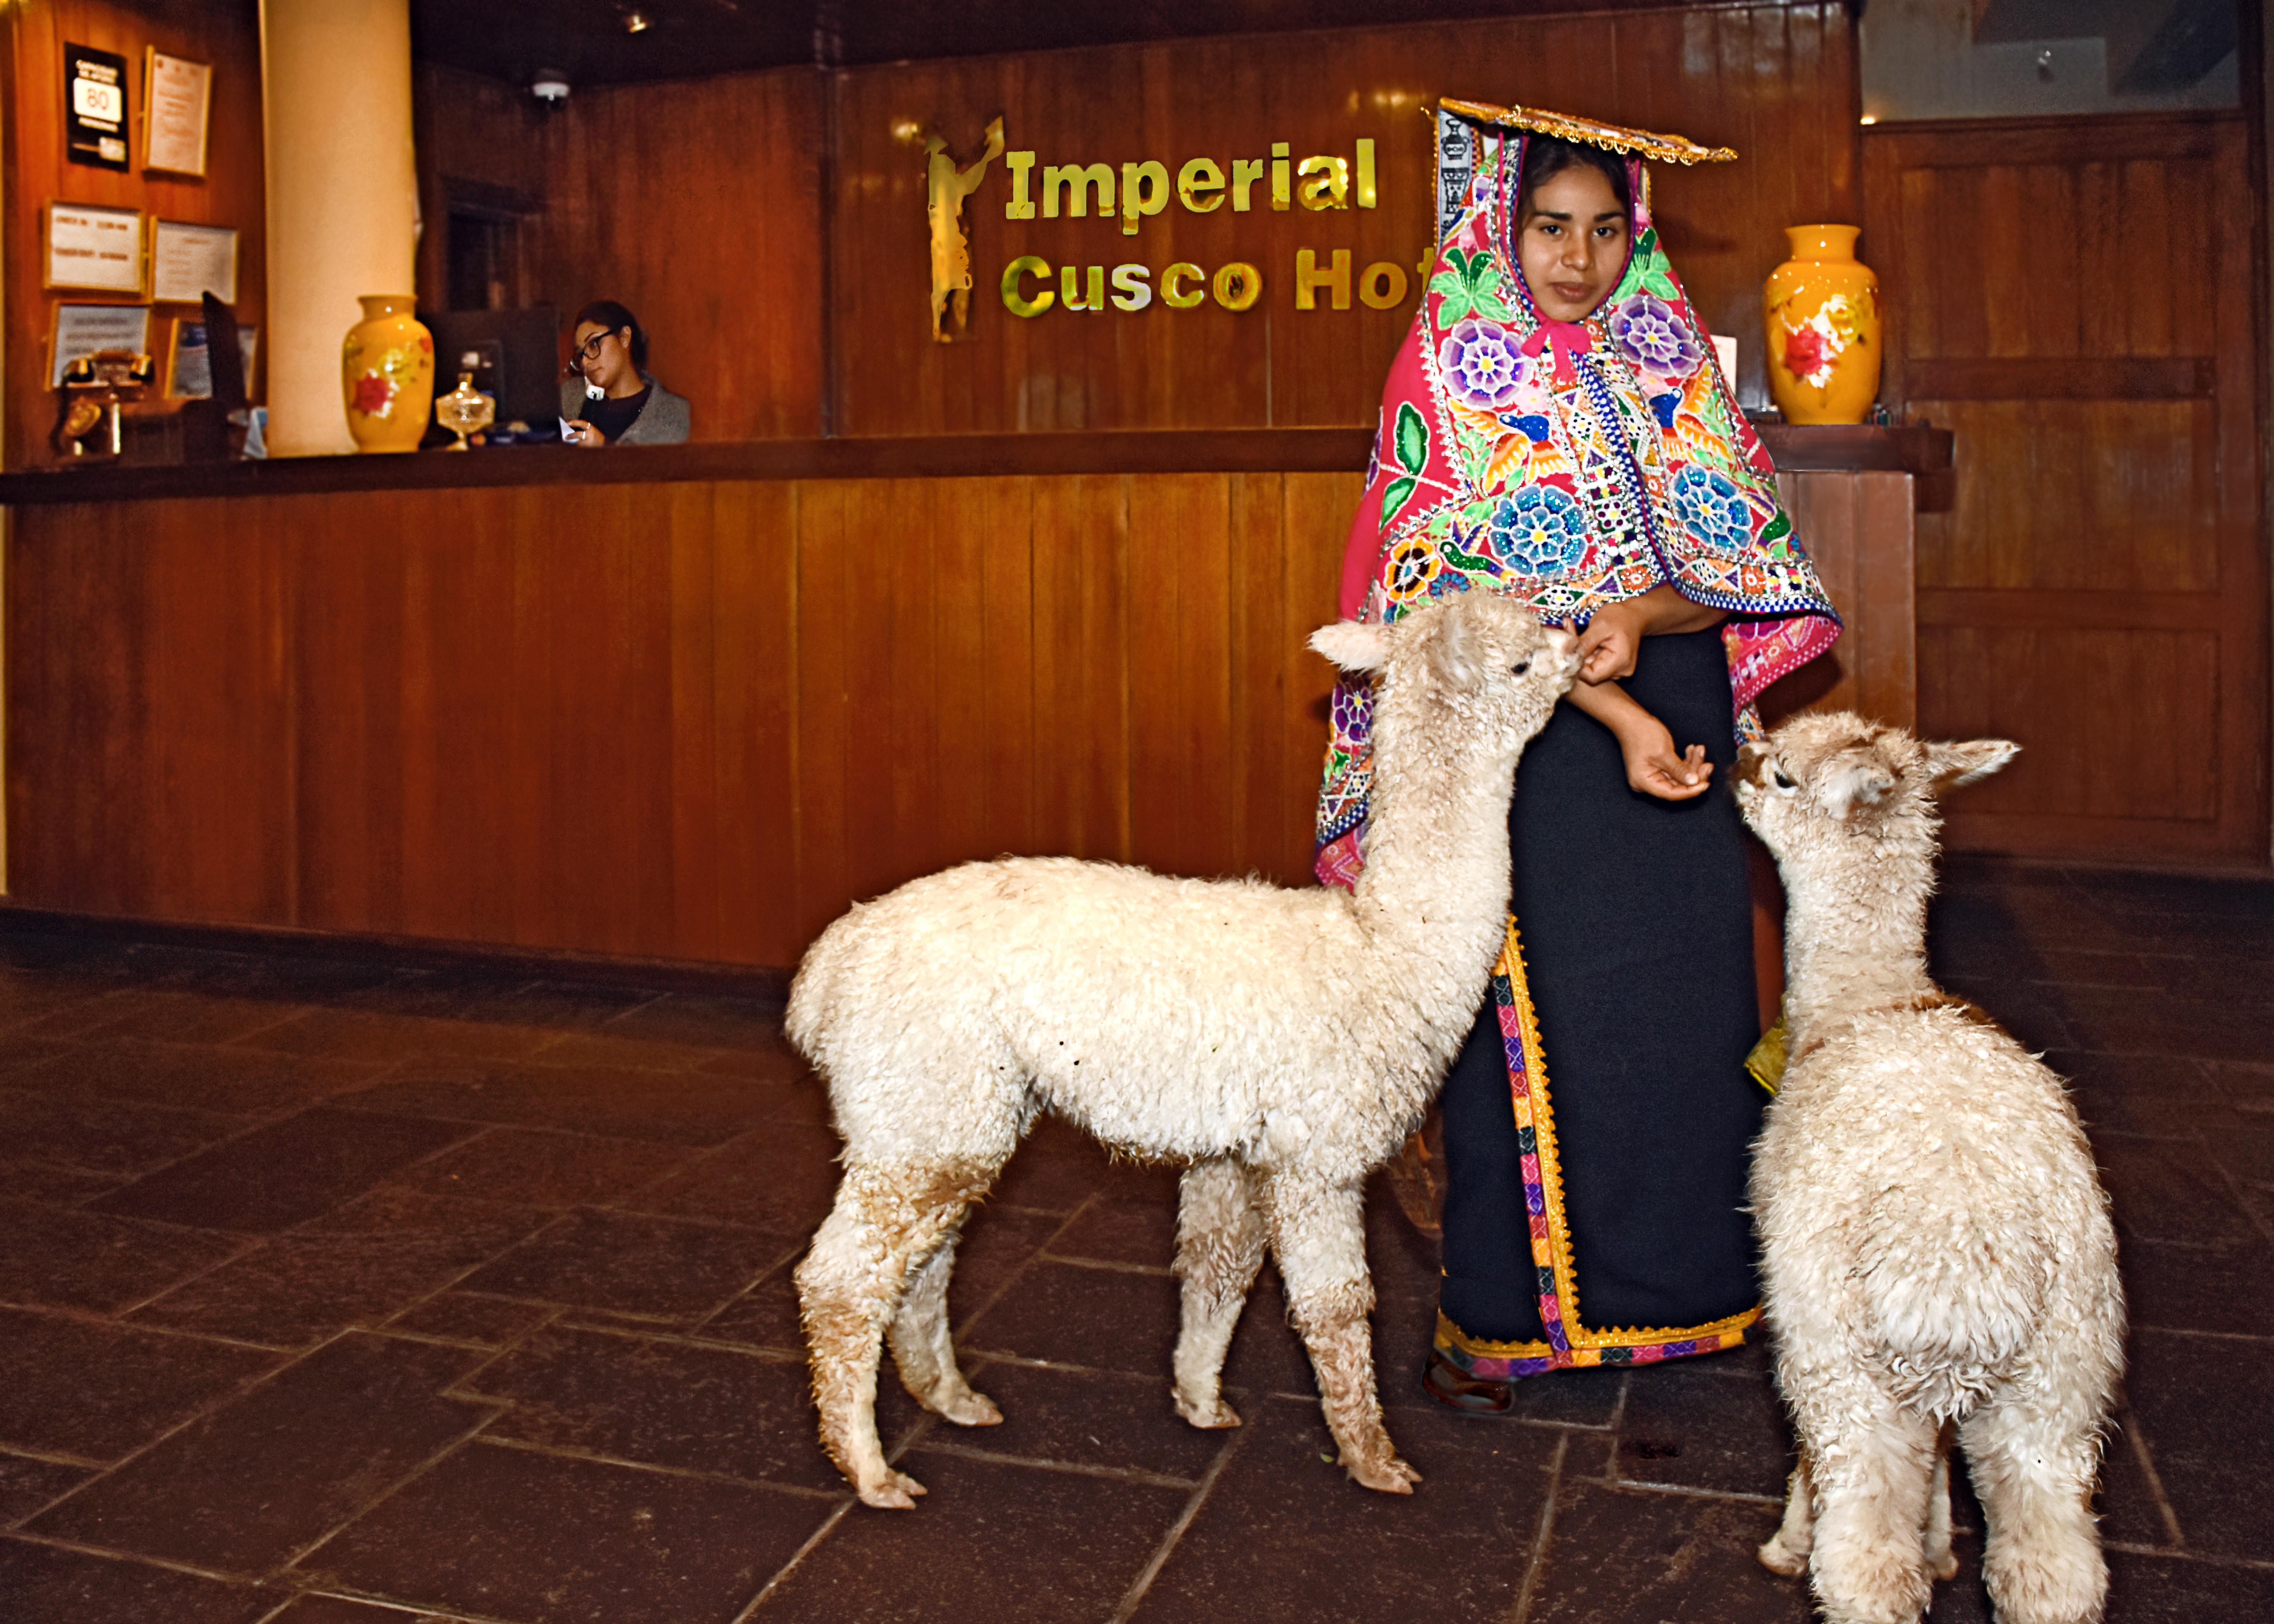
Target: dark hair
616,318
1547,156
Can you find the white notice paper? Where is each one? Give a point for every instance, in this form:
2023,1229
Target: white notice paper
91,247
82,329
187,262
181,101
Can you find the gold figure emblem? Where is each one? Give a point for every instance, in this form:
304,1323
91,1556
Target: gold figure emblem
946,187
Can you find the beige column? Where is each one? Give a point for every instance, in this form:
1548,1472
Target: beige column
342,198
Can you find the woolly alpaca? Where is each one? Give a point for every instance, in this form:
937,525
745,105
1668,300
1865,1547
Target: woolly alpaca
1937,1249
1282,1044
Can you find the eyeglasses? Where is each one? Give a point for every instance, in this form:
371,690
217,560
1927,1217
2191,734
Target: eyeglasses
590,349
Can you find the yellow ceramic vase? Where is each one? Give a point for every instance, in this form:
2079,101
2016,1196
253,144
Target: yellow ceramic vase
1821,312
387,374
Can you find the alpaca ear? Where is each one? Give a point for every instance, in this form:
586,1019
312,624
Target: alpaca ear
1353,645
1950,765
1854,781
1452,652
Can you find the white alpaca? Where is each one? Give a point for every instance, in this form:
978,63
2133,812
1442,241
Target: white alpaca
1282,1044
1937,1249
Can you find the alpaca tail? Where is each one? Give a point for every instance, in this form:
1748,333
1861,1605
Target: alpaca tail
816,992
1955,1299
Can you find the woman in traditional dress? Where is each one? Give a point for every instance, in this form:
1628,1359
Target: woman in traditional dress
1557,427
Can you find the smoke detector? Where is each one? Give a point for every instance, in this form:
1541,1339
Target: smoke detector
550,87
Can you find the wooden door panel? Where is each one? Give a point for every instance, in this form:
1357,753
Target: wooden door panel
2079,313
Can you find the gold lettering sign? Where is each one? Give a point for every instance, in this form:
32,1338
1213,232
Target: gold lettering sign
946,187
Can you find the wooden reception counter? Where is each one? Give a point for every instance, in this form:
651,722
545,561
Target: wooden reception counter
687,703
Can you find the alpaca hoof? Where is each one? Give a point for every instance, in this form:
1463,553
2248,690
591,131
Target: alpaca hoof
1209,1418
897,1492
1393,1478
1943,1566
972,1409
1777,1560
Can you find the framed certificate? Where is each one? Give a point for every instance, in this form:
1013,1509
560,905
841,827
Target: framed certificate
95,107
98,249
82,329
189,359
179,94
187,262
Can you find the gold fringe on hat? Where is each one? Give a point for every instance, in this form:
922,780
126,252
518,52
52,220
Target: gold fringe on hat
1588,132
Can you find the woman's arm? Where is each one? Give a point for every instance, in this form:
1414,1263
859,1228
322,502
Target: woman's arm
1608,647
1653,766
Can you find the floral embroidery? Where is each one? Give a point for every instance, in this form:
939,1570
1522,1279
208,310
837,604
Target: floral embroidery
1483,367
1472,284
1645,328
1711,510
1541,531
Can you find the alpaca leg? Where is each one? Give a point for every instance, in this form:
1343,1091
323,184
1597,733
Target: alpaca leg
924,1350
2033,1461
1318,1234
1787,1550
1872,1477
1219,1248
849,1287
1940,1561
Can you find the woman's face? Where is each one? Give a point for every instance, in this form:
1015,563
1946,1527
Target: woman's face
1573,245
604,357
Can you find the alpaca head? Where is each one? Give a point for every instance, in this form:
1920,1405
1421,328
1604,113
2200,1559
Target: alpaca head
1836,790
1478,665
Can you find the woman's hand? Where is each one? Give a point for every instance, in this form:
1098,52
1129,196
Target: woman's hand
1609,646
1654,767
582,433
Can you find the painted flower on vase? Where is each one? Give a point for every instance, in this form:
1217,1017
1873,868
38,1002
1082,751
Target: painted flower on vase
374,395
1482,365
1540,530
1648,332
1711,510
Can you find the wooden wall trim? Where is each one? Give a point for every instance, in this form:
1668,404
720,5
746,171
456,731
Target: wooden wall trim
1157,451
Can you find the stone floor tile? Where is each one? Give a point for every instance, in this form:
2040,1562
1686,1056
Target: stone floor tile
514,1533
98,1392
45,1585
28,1000
233,1081
631,1263
996,1244
2193,1398
1267,1356
705,1022
2168,1190
284,1172
313,1609
70,1258
2247,1084
333,1032
466,1317
1084,1417
2152,1589
660,1404
764,1316
1142,1232
1067,1314
104,1136
1285,1535
605,1048
1059,1166
1057,1548
1689,1427
175,1015
1671,1559
54,1187
2227,1288
244,1487
357,1268
29,1485
545,1168
608,1102
782,1176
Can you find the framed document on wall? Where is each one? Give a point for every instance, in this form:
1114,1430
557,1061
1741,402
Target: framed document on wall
95,107
187,262
82,329
97,249
179,94
189,359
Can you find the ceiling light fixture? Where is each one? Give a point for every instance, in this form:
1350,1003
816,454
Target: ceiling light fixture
636,22
550,87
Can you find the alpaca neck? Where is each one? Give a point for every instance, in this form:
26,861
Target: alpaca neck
1856,940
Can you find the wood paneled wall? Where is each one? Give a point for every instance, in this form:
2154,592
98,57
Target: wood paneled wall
1777,82
695,719
231,193
698,203
2073,297
688,721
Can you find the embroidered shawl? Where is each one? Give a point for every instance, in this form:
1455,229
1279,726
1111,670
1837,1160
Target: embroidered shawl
1573,464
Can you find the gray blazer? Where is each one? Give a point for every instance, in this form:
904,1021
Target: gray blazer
663,421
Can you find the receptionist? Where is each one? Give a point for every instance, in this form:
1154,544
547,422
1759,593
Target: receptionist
609,399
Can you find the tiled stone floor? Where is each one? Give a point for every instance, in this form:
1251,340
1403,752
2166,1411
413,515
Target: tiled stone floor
336,1294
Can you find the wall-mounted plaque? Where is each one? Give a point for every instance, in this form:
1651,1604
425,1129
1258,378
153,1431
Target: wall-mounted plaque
189,359
98,249
187,262
95,107
82,329
179,94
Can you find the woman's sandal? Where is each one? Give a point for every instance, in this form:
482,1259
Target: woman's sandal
1471,1395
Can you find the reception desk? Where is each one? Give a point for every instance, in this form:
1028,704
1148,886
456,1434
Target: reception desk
686,704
